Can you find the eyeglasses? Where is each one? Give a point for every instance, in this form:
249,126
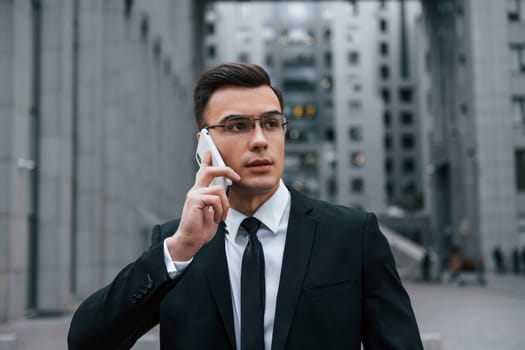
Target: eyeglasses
271,123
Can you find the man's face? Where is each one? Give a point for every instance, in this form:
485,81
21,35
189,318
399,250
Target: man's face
257,155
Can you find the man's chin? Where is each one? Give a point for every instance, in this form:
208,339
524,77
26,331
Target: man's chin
259,186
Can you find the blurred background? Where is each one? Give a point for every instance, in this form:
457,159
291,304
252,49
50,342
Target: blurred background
412,109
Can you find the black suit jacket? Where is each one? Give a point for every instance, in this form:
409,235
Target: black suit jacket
339,287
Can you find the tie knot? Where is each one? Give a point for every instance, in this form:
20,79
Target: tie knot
251,225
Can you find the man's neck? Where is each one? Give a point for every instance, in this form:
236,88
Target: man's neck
248,202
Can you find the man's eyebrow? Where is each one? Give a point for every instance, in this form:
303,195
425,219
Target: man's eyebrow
234,116
264,114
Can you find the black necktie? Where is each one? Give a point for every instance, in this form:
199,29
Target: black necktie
252,290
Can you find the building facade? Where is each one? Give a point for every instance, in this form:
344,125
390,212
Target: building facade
96,140
477,112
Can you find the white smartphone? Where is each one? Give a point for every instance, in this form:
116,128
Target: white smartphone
205,144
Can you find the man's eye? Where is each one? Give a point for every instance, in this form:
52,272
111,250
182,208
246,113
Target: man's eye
237,126
271,123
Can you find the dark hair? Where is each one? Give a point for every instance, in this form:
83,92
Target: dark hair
234,74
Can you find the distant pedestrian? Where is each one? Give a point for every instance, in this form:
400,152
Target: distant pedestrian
516,261
497,255
426,265
454,260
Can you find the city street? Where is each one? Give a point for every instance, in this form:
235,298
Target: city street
467,317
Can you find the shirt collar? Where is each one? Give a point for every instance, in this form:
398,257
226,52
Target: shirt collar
270,213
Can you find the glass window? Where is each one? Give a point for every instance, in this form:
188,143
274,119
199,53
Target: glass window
409,166
385,95
388,141
517,54
384,71
406,118
383,49
387,118
518,110
357,184
244,57
211,51
519,156
389,166
328,59
353,57
355,106
407,141
514,10
355,133
210,28
405,95
383,25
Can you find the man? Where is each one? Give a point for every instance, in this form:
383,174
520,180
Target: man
307,275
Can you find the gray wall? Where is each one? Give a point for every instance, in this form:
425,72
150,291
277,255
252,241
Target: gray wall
111,92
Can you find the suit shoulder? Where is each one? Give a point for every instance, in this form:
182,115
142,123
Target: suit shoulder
330,210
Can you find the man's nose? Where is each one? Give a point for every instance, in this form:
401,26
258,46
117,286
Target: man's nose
258,135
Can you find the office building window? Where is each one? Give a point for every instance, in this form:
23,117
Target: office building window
409,166
327,35
353,58
388,141
518,110
355,106
515,8
407,141
387,118
383,49
244,57
389,166
405,95
210,28
383,25
389,189
517,54
357,159
385,95
211,51
355,134
357,184
384,72
519,156
406,118
269,60
328,59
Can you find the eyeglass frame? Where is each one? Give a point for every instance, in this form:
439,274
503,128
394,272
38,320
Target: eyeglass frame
284,120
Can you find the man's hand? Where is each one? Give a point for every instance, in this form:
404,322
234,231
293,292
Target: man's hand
205,207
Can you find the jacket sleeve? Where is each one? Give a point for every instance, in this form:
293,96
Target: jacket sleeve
115,316
388,318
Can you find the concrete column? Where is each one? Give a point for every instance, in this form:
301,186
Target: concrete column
16,164
54,225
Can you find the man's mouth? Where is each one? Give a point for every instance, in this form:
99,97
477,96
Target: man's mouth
259,162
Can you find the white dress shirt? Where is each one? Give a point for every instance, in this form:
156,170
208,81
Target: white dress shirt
274,215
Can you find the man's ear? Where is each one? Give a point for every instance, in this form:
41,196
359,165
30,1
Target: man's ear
198,135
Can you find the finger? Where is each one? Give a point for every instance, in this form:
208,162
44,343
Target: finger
206,160
205,175
219,191
212,203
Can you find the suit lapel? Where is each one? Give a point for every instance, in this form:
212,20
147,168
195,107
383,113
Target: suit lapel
218,277
299,240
